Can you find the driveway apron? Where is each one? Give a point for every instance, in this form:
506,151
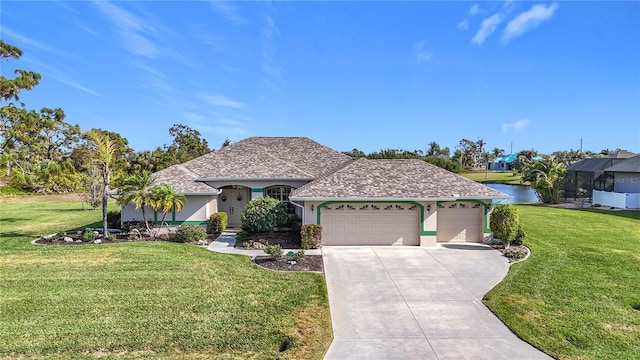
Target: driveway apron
417,303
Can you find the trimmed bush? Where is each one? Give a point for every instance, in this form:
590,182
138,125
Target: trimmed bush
217,223
504,223
274,250
311,234
292,221
189,233
263,214
128,226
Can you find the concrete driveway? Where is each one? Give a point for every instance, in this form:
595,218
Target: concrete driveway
417,303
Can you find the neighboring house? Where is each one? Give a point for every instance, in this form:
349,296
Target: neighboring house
620,185
356,201
582,176
502,163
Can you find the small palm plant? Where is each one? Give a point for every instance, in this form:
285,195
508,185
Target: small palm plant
165,198
136,189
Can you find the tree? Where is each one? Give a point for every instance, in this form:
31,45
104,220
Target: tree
165,198
187,144
546,177
435,150
137,189
105,158
524,158
26,80
226,143
497,152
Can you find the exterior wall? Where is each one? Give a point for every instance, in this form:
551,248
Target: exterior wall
130,213
428,222
195,209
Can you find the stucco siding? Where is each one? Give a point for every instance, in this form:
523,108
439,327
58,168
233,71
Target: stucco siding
195,209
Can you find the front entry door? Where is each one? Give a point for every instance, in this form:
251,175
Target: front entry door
233,201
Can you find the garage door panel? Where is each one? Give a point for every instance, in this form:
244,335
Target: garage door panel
460,222
370,224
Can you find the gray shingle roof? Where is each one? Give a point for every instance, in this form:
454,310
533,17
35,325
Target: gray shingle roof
182,179
268,158
630,165
393,179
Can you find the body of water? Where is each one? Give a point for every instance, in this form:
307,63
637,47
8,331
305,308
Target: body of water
520,193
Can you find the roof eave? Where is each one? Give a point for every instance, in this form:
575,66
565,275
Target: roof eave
451,198
255,179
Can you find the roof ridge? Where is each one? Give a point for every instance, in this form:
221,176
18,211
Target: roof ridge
268,152
328,173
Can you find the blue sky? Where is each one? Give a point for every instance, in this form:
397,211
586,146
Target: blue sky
366,75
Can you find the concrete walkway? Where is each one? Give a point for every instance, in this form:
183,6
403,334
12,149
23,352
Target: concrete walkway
417,303
226,241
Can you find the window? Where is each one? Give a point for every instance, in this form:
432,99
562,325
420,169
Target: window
281,193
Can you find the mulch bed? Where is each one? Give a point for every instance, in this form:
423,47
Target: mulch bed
305,263
286,240
513,253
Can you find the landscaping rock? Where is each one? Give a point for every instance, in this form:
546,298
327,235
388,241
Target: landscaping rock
97,241
68,239
96,233
259,245
78,241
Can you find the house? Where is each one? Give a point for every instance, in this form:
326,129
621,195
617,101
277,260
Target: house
356,201
582,176
620,185
502,163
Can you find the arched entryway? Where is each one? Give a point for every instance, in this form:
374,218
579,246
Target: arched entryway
232,200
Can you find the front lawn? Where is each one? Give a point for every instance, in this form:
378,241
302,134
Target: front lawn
147,299
578,295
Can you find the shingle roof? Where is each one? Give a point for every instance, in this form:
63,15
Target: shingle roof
631,165
593,164
393,179
268,158
182,179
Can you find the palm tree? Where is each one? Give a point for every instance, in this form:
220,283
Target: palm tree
136,189
105,158
546,178
165,198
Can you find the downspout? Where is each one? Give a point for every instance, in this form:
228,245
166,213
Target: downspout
301,207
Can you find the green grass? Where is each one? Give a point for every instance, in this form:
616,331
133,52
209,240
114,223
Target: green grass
153,300
499,177
574,297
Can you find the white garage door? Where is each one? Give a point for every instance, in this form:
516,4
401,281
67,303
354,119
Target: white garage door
460,222
370,224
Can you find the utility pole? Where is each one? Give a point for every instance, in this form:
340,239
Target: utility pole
511,151
580,145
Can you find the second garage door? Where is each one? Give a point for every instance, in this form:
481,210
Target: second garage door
370,224
460,222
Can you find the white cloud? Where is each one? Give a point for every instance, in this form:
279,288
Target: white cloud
228,11
516,126
487,28
25,41
528,20
135,32
464,24
273,72
57,74
421,53
222,101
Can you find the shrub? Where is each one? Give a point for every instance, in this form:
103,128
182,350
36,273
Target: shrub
113,219
505,222
292,221
217,223
128,226
274,250
189,233
243,236
520,235
311,235
89,235
262,214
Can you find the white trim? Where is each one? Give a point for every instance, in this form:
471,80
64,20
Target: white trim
461,198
